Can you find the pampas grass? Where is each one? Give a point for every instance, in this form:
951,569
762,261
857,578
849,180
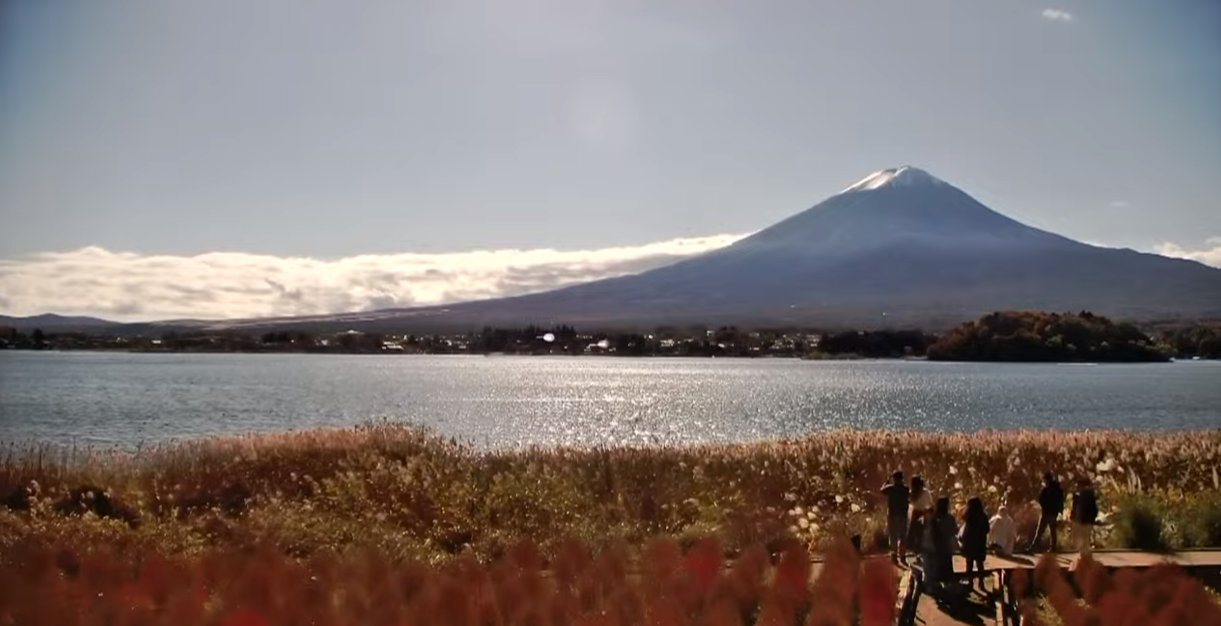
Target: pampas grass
412,495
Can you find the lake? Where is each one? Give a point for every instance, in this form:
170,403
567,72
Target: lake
127,399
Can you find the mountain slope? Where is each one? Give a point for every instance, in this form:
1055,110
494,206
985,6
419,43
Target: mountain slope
900,242
50,322
899,247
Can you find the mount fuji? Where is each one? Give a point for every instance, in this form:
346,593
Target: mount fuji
899,247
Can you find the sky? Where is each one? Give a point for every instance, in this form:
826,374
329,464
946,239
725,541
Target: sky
164,159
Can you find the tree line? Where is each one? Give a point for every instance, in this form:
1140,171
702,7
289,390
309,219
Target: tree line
999,336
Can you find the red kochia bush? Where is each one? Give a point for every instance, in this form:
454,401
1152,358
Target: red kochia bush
834,594
878,593
1162,595
244,617
659,585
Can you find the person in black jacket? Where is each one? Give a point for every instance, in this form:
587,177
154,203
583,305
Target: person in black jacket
1051,505
938,547
897,495
973,538
1084,515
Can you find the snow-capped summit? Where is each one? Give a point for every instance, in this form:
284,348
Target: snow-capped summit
900,241
902,176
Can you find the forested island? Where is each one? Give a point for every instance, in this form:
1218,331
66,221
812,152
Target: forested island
1047,337
1030,336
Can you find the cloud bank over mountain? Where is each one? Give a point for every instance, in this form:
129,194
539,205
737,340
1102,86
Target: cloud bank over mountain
1208,256
125,286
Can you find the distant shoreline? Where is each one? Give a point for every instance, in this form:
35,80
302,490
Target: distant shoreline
999,337
736,357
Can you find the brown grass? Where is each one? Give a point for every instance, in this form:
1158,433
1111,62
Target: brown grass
411,495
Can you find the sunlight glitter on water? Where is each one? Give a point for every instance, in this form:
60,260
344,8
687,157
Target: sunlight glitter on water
126,399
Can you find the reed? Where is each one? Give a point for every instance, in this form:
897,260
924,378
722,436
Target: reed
412,495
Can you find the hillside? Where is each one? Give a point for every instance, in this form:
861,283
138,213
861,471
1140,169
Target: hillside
899,248
1031,336
50,322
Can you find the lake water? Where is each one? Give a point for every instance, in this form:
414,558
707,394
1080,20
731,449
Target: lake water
128,399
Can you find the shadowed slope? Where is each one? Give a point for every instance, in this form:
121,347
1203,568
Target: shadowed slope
899,247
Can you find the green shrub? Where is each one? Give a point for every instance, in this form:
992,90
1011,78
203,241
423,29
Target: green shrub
1203,525
1139,523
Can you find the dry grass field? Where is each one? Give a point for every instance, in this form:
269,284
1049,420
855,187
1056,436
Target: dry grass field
390,524
411,495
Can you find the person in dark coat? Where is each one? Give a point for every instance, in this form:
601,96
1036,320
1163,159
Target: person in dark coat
940,538
1084,515
1051,505
897,496
973,538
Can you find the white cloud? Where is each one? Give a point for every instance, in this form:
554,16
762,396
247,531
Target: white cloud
1119,204
126,286
1058,15
1208,256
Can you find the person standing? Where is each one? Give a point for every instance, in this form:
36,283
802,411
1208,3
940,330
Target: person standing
897,497
921,510
1084,515
940,534
973,539
1051,505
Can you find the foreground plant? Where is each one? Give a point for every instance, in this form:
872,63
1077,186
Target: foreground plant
661,587
1162,595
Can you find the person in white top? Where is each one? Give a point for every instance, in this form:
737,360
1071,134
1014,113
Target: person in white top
1002,532
921,510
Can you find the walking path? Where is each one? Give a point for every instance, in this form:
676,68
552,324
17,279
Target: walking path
987,609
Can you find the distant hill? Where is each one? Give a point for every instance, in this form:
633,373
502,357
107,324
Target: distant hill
1051,337
50,322
899,248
